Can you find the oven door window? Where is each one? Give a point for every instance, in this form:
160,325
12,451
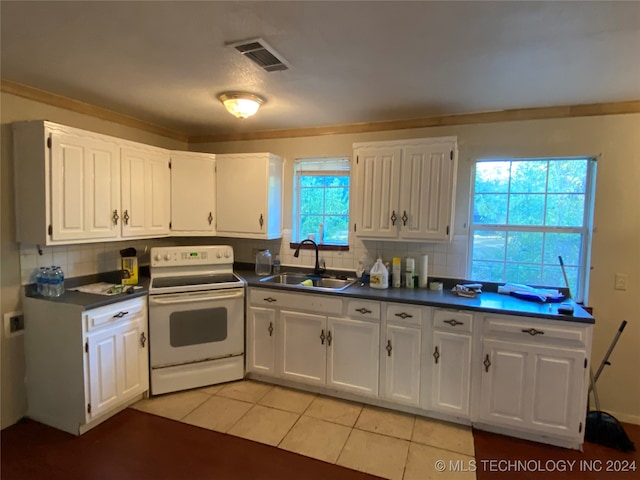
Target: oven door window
195,327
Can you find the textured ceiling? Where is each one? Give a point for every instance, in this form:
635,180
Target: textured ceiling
351,62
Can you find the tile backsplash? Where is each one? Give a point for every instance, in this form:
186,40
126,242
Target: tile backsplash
445,259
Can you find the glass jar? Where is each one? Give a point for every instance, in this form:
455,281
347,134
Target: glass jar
263,262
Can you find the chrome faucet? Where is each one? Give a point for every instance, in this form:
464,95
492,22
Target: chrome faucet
316,270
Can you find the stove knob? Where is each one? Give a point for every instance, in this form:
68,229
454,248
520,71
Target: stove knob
226,254
167,257
158,257
218,255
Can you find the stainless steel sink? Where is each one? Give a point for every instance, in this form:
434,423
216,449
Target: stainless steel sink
318,283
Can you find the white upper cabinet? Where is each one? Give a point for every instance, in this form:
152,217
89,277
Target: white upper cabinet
405,190
146,187
67,184
249,195
193,198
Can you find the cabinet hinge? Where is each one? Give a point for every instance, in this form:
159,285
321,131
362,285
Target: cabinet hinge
50,229
169,225
580,428
585,362
451,155
355,227
357,159
169,164
88,408
447,229
86,346
49,142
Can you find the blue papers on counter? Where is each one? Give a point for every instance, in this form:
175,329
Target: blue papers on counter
525,292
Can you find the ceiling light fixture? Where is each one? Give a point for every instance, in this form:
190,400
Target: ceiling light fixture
240,104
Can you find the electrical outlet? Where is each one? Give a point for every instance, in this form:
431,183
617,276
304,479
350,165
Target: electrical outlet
13,324
621,281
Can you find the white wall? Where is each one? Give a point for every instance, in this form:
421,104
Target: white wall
616,242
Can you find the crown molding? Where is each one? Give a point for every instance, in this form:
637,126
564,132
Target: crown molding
538,113
76,106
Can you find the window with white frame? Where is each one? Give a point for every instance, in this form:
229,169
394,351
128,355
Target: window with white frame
321,200
526,213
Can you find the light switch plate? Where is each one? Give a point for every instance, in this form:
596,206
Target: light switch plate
621,281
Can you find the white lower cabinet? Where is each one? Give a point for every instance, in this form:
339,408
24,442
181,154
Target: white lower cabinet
401,352
520,376
450,363
534,376
90,366
261,340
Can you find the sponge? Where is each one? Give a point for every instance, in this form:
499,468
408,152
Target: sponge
307,283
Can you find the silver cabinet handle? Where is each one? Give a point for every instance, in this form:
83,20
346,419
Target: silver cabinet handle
143,339
261,221
115,217
394,217
436,355
120,314
322,337
404,218
126,217
210,218
363,310
270,299
270,329
403,315
388,348
329,337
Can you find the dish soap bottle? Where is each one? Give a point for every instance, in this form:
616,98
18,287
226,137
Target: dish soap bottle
379,275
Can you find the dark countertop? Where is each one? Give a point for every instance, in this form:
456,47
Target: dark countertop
89,301
488,302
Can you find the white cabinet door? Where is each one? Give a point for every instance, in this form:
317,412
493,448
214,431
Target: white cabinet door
353,356
103,374
401,354
426,195
505,385
145,192
249,195
193,199
134,355
405,189
558,384
261,340
377,192
451,373
303,338
85,188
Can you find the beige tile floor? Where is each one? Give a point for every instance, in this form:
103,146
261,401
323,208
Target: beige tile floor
374,440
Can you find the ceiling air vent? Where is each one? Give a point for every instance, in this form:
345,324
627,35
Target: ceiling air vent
260,52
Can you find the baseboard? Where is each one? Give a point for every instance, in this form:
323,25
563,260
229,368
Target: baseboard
625,417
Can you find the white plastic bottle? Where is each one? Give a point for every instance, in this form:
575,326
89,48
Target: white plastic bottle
379,275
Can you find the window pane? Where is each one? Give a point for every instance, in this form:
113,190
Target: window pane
523,273
565,245
492,177
567,176
487,271
311,200
528,177
311,181
524,247
552,276
336,230
490,209
488,245
565,210
309,224
526,209
336,201
337,181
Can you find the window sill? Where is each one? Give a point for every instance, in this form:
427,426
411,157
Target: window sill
323,246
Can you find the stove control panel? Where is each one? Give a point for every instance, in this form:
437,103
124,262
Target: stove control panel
197,255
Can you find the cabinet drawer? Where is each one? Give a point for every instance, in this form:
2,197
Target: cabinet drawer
363,309
299,301
114,314
531,330
452,320
405,314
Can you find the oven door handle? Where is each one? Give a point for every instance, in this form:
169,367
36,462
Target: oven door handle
175,299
